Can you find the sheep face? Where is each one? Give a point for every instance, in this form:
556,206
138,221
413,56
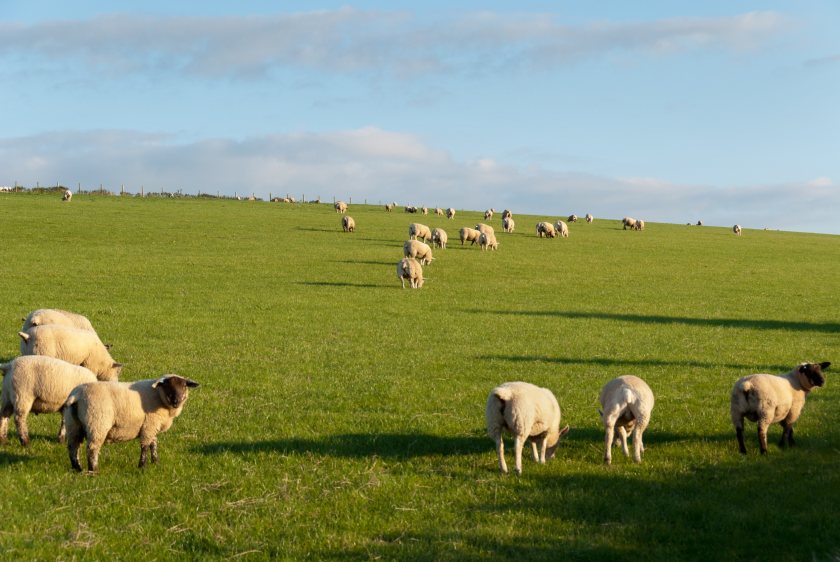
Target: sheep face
173,390
812,372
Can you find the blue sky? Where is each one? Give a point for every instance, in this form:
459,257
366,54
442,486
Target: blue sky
667,111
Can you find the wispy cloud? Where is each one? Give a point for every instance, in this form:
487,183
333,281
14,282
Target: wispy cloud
350,40
378,165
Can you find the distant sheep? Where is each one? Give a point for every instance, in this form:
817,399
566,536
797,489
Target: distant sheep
410,209
439,238
79,347
106,412
488,214
44,316
546,229
40,385
626,404
340,207
589,218
573,218
699,223
506,214
389,207
768,399
487,240
469,235
529,413
68,195
450,213
425,210
411,270
562,229
419,250
508,224
737,229
628,222
348,224
439,211
485,228
640,225
417,230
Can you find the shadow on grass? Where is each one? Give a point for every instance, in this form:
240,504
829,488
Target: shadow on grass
340,284
7,458
369,262
651,437
611,362
827,327
387,445
310,229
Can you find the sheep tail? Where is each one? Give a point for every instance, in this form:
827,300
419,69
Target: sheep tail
71,405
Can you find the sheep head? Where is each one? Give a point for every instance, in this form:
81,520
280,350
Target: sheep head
811,373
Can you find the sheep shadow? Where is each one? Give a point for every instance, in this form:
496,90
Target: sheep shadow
613,362
366,262
8,459
398,446
340,284
311,229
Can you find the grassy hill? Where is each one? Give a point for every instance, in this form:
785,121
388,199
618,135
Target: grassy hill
343,417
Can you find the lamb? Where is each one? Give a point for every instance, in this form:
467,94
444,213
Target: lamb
507,224
573,218
628,222
626,403
640,225
348,224
56,316
419,250
439,237
450,213
468,234
68,195
410,268
529,413
485,228
417,230
506,214
589,218
40,385
488,214
340,207
547,229
737,229
488,241
79,347
121,411
439,211
562,229
767,399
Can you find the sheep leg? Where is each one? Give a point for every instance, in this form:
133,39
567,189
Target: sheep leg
154,451
518,443
638,445
93,456
62,429
739,433
609,437
500,452
4,430
536,453
762,436
22,427
622,433
787,434
74,441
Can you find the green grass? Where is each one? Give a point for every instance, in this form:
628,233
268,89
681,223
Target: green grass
343,417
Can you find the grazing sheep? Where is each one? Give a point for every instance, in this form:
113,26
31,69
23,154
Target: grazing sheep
508,225
562,229
628,222
699,223
506,214
450,213
439,238
488,241
417,230
44,316
348,224
68,195
626,403
640,225
546,229
425,210
529,413
410,209
485,228
589,218
121,411
410,268
737,229
439,211
389,207
767,399
40,385
468,234
419,250
79,347
573,218
488,214
340,207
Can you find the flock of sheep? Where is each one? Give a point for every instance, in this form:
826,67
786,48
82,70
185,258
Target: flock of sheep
64,367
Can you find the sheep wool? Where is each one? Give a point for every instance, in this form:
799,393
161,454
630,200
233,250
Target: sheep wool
626,404
79,347
44,316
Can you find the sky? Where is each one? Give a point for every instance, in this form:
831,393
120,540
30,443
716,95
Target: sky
670,111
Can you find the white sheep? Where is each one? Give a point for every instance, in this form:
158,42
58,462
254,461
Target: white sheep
768,399
487,240
640,225
529,413
410,268
389,207
737,229
485,228
626,404
79,347
418,250
506,214
439,237
562,229
488,214
348,224
573,218
439,211
56,316
68,195
40,385
121,411
508,224
417,230
470,235
424,210
450,213
546,229
340,207
589,218
628,222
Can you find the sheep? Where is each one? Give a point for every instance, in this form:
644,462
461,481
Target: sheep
488,214
450,213
573,218
417,230
508,224
547,229
67,196
56,316
699,223
389,207
439,238
506,214
589,218
485,228
419,250
410,209
410,268
37,384
767,399
626,403
628,222
121,411
340,207
348,224
79,347
424,210
488,241
562,229
529,413
468,234
439,211
737,229
640,225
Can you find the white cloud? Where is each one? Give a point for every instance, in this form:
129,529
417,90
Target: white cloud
821,181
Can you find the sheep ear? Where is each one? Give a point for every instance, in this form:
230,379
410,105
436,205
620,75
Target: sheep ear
24,336
191,383
108,346
160,381
825,364
564,431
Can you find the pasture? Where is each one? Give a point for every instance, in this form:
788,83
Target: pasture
341,417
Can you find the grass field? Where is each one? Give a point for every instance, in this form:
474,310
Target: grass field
343,417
